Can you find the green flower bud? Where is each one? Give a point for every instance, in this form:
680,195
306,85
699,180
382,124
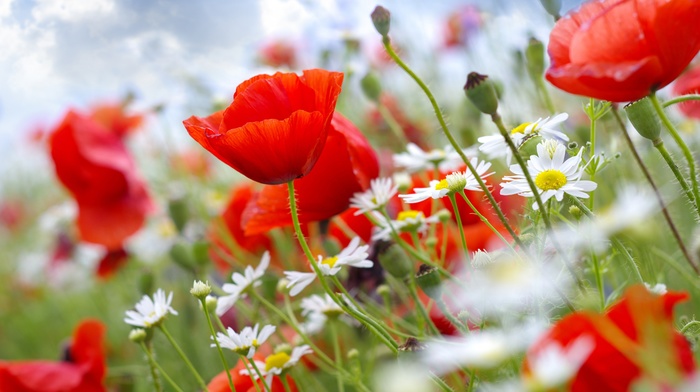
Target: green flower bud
444,215
575,212
395,261
211,303
383,290
431,242
371,86
200,253
381,17
200,289
180,254
534,54
529,146
643,116
481,93
145,284
138,335
179,212
553,7
353,354
429,280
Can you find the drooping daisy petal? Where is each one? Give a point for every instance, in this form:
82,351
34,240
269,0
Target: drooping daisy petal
150,312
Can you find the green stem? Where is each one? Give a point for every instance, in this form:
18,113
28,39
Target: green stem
690,324
285,384
539,82
260,376
218,346
184,357
459,225
154,365
598,279
338,354
392,123
591,201
486,222
682,98
659,199
441,383
684,147
450,137
454,320
659,144
250,374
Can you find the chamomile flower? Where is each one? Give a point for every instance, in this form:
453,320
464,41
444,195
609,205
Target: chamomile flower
241,284
353,255
452,183
150,312
415,159
406,221
245,342
552,174
658,289
380,192
277,364
553,366
495,146
318,310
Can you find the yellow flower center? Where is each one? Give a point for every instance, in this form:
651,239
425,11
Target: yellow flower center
276,361
255,343
520,128
410,214
166,229
550,180
330,261
442,185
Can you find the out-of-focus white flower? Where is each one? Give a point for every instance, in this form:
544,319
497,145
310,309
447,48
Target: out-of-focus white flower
452,183
318,310
241,284
553,365
380,192
353,255
658,289
495,146
247,341
58,216
154,240
484,349
480,259
415,159
403,377
552,175
151,312
406,221
278,363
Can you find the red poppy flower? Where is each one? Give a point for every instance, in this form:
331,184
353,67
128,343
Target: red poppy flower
114,118
94,165
275,129
243,383
689,83
347,165
635,337
621,50
358,224
278,54
83,370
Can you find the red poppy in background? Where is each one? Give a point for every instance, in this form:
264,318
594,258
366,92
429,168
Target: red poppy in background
347,165
635,336
689,83
275,129
622,50
83,369
358,224
243,383
115,118
278,54
93,163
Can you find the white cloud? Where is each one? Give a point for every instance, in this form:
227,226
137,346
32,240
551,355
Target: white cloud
70,10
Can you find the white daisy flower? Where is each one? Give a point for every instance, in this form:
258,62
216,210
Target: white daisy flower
245,342
353,255
452,183
495,146
552,175
553,366
658,289
318,310
150,312
241,284
406,221
278,363
380,192
415,159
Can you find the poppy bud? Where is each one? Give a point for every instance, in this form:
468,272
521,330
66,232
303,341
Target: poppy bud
575,212
381,17
146,283
646,121
481,93
178,211
181,255
534,54
428,279
553,7
395,261
371,86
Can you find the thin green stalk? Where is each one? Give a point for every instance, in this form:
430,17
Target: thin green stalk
338,354
454,320
250,374
285,384
154,365
591,200
682,98
451,196
598,280
441,383
486,222
659,144
693,280
260,376
218,346
392,123
450,137
184,357
539,82
659,199
684,147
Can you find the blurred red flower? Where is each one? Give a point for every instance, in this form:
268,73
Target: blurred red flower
278,54
275,129
621,50
636,336
460,25
347,165
114,118
93,163
243,383
83,369
689,83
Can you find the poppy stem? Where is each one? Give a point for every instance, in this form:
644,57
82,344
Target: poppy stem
659,144
682,98
154,365
333,324
218,346
650,180
391,122
250,374
438,113
184,357
487,223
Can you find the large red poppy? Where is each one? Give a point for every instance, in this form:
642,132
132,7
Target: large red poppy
689,83
275,129
636,335
95,166
347,165
82,371
621,50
